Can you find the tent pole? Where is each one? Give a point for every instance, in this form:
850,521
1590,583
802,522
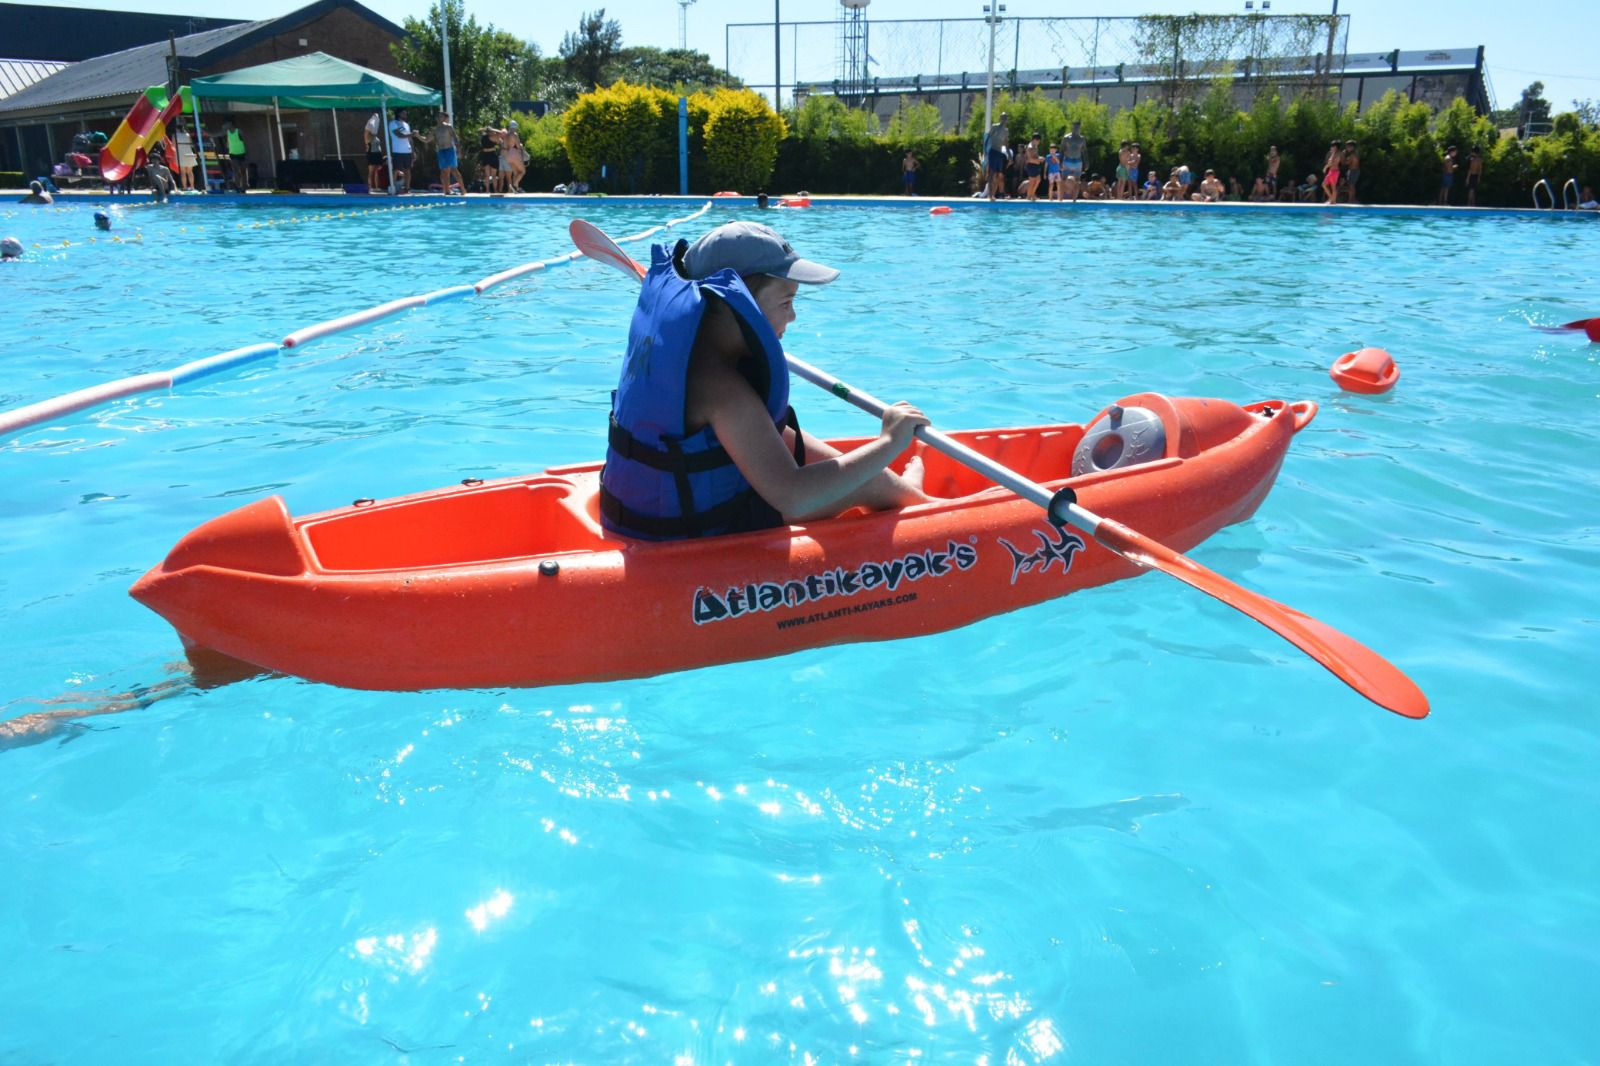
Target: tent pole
200,144
337,149
388,142
282,155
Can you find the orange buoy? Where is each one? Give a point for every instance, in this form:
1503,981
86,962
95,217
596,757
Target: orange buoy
1370,370
795,201
724,194
940,210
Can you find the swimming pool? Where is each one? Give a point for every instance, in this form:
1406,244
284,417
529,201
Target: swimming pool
1127,826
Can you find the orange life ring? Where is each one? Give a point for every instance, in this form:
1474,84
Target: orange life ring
724,194
942,209
795,201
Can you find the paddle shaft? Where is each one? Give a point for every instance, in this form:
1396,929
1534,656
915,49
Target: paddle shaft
1032,491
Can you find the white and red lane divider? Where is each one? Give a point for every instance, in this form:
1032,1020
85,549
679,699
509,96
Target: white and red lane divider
69,403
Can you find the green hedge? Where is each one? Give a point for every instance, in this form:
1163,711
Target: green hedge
829,148
12,179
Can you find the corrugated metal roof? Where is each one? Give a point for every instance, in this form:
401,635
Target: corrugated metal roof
132,70
18,74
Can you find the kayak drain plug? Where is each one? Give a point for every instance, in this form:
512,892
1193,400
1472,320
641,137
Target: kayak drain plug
549,568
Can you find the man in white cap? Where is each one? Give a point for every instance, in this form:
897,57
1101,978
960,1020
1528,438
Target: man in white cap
705,389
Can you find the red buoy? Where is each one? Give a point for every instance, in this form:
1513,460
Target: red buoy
1371,370
942,209
1592,329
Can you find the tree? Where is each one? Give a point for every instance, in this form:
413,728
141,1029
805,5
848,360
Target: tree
592,49
671,68
742,137
1588,111
1534,107
482,61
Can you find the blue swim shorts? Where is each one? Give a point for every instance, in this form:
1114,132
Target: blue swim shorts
447,158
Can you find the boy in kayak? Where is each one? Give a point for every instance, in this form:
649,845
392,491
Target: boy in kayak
702,439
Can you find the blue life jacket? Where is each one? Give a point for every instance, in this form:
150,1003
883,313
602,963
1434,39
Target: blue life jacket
659,482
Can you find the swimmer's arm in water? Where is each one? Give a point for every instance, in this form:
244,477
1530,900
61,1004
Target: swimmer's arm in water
822,487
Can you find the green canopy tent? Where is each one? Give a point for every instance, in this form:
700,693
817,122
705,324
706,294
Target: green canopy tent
315,81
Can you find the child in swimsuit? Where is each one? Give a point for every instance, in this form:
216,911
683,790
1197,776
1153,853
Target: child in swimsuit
1330,178
1052,170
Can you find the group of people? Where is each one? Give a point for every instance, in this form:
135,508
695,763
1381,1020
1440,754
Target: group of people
1057,171
502,157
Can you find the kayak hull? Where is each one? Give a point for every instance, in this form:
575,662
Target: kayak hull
514,583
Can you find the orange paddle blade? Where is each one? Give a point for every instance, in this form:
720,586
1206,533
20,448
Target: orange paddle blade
1346,658
592,242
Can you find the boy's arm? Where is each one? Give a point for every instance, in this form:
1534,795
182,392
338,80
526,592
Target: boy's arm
799,493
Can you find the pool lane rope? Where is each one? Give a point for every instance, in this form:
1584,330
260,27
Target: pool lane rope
69,403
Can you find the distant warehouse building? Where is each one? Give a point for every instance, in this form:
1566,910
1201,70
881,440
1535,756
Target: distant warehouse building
1435,77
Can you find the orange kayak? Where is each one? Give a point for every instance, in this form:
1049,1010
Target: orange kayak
514,583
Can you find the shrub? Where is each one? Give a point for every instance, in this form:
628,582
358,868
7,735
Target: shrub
622,130
742,136
12,179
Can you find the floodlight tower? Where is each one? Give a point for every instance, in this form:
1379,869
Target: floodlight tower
683,23
853,47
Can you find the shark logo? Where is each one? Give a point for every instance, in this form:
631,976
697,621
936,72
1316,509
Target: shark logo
1048,551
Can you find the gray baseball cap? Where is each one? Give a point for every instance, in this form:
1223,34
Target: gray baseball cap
751,248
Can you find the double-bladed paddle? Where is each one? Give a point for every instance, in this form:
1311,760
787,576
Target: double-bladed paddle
1346,658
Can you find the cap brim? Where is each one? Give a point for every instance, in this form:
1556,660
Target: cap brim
805,272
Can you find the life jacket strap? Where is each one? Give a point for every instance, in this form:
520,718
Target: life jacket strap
738,514
630,447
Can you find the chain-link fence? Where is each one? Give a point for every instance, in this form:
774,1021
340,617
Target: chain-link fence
1179,53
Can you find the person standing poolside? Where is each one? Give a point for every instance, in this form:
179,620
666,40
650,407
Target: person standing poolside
1272,169
237,165
1124,155
513,160
1447,176
372,137
1330,171
1350,163
908,173
1072,149
702,438
1135,161
489,157
400,141
186,157
1032,166
994,155
446,145
1052,174
1474,175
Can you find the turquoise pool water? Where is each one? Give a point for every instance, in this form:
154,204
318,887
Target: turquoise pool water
1128,826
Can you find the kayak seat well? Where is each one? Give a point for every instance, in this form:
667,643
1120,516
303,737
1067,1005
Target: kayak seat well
1041,454
495,522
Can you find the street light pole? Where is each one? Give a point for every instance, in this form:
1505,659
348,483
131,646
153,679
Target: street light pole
992,17
777,57
444,35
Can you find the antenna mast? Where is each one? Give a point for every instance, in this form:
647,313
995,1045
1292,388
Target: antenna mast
683,23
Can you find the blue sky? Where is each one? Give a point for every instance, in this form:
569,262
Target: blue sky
1550,42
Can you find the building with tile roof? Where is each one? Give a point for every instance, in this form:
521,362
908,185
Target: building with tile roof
39,119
